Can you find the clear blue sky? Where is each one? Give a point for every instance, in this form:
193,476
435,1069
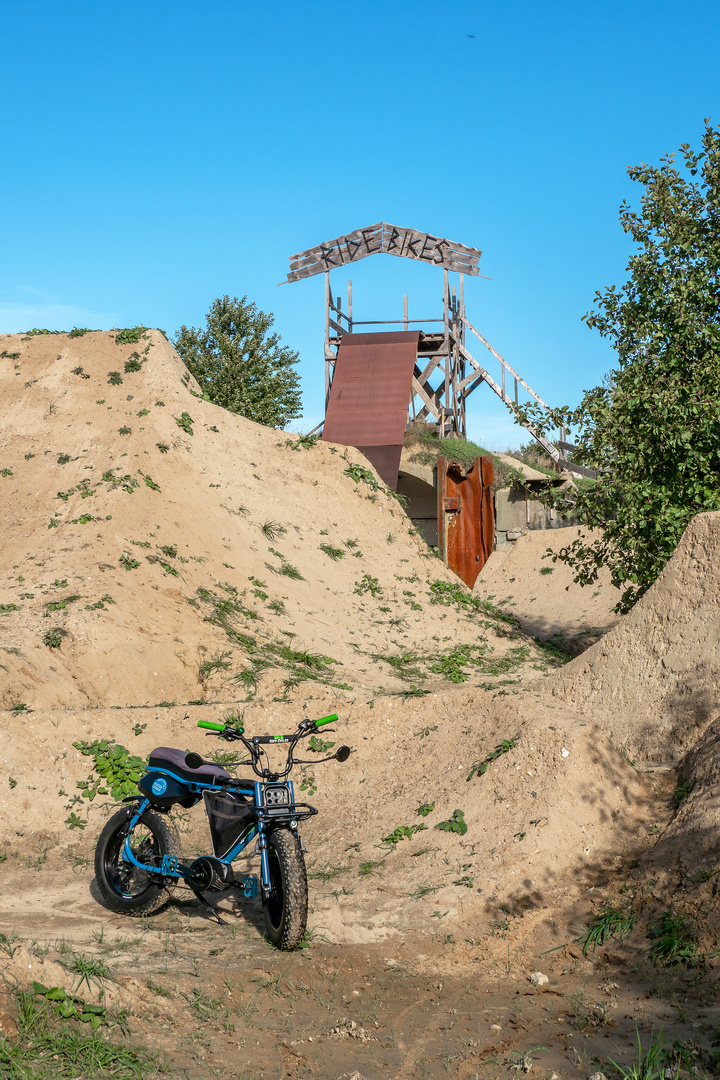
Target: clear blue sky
157,155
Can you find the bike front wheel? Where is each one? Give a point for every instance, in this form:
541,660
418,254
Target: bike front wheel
126,888
285,909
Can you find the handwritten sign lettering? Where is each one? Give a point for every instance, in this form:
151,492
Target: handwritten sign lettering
407,243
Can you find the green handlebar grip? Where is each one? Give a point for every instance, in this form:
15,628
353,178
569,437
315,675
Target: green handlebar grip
326,720
209,724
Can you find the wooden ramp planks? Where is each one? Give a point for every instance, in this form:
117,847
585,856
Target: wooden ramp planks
369,397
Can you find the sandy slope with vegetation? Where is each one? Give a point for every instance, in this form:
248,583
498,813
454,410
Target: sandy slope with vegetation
166,562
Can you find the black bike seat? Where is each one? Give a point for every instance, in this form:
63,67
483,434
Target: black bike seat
163,757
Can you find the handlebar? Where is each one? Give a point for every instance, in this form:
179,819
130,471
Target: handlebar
326,720
306,727
216,727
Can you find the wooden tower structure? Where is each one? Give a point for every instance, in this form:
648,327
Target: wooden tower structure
445,371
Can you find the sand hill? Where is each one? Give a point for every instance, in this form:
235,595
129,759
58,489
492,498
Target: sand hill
178,552
654,678
167,560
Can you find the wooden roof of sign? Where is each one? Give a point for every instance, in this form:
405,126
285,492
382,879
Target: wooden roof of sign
391,239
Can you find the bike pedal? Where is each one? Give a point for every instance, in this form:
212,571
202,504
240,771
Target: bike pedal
251,886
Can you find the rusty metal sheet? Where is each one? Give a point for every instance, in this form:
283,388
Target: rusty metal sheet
466,518
386,460
370,394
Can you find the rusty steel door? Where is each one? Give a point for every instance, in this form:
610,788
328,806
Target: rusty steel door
466,516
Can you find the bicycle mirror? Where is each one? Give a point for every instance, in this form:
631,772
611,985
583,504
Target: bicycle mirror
342,753
193,761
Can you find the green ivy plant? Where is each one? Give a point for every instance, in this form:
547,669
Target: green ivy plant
117,770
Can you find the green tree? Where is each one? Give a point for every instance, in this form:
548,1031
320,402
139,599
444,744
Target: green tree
652,430
240,365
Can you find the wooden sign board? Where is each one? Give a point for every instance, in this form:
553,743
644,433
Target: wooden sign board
391,239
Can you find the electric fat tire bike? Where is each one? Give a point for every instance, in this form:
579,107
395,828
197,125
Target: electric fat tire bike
138,855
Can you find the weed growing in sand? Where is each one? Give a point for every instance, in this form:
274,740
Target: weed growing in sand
607,923
304,442
6,472
71,1006
165,565
89,969
403,665
425,809
7,944
118,771
361,474
58,605
681,793
288,570
672,941
308,784
63,459
162,447
133,364
81,372
53,638
368,584
332,552
319,746
129,336
8,607
402,832
125,430
327,874
272,530
424,890
455,824
277,606
369,867
219,662
114,378
450,594
654,1064
480,767
185,422
127,483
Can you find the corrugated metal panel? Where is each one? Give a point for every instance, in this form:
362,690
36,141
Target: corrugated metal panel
370,394
466,518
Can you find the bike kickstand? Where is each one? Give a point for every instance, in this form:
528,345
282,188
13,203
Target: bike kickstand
211,909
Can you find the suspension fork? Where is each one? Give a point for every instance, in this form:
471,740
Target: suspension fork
262,846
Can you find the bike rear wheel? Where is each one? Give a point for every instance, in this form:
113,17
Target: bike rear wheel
124,887
285,909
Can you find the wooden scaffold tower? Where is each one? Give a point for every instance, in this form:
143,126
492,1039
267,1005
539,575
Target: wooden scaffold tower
445,371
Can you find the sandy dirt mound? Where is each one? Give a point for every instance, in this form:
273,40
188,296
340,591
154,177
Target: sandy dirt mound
159,548
542,595
654,680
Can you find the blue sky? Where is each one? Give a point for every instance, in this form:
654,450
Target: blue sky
157,155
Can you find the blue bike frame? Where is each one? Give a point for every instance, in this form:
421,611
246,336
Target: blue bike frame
254,790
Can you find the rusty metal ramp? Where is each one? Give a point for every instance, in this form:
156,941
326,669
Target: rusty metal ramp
370,395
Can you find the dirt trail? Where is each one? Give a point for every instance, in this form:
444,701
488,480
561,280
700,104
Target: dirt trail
218,1001
542,595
